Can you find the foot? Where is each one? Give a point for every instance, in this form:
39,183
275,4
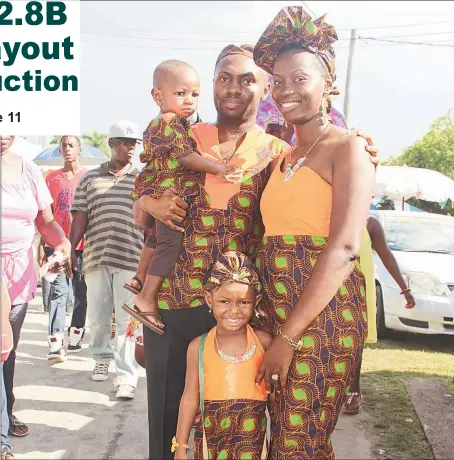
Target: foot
57,352
100,372
125,391
148,308
7,454
135,285
353,403
76,334
17,428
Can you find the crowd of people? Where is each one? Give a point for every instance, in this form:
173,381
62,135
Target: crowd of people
235,265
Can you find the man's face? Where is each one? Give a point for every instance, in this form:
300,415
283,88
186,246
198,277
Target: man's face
5,143
123,149
239,86
69,148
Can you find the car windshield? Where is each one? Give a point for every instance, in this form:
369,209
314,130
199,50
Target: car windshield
416,234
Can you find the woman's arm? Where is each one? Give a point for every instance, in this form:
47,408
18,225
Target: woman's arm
190,400
51,232
353,183
380,246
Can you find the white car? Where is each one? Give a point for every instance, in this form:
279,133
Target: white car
423,245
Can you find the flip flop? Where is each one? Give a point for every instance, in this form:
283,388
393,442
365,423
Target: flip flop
17,428
350,397
142,317
132,289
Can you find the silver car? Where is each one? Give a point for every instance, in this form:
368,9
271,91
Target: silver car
423,245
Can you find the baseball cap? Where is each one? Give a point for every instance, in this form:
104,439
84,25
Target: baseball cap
125,128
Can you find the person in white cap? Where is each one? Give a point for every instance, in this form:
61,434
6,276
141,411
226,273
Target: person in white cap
102,211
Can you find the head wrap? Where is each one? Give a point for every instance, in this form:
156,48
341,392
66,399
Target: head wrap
232,267
291,26
230,50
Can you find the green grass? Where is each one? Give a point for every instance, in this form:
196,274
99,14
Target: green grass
387,365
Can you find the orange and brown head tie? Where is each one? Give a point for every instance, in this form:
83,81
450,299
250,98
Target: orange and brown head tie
230,50
232,267
294,26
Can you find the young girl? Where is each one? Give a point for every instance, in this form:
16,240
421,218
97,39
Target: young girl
221,370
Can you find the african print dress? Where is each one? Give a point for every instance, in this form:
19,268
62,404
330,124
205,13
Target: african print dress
295,235
234,419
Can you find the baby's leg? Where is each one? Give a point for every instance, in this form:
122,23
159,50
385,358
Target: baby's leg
146,255
162,265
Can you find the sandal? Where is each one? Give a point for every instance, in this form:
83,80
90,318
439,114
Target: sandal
142,317
131,288
347,405
7,454
17,428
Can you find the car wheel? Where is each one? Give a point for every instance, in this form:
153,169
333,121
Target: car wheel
382,330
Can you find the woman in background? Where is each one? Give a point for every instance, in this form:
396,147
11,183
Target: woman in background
25,204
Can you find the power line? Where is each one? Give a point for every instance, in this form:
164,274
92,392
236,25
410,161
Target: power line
205,40
405,42
398,26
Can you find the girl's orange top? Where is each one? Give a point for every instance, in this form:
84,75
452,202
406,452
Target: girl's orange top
300,206
224,380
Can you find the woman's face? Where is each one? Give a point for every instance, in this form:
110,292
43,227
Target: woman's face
299,85
5,143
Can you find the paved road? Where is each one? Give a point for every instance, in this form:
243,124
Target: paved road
71,416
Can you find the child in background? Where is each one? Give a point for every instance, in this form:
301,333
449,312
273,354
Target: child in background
171,161
222,367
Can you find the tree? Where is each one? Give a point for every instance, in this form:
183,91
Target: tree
56,140
97,140
435,150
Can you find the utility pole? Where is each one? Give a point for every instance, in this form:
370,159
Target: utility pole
349,76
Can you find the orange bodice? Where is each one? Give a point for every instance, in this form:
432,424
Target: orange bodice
224,380
301,206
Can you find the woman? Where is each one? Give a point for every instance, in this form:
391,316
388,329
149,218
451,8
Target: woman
315,288
25,204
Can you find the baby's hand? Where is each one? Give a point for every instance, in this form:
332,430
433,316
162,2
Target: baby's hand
233,174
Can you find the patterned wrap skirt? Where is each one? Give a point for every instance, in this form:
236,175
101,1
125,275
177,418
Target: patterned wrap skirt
306,414
234,429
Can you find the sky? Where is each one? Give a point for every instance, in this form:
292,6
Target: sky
398,90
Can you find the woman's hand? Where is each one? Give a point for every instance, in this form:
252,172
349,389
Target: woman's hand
370,147
410,300
276,361
65,262
169,209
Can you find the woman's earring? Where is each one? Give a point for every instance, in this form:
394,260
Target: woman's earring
324,111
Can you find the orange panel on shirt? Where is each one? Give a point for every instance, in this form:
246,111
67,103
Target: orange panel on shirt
225,380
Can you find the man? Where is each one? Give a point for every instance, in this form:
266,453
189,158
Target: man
62,186
224,216
102,210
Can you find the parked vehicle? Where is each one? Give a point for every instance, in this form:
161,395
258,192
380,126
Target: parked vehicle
423,245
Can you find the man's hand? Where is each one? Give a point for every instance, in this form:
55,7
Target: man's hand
42,257
169,209
74,262
370,147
